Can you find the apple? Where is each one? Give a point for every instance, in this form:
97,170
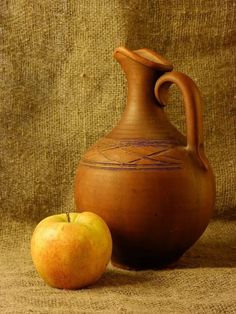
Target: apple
71,250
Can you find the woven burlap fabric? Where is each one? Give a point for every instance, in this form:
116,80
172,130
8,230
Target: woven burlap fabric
60,91
203,281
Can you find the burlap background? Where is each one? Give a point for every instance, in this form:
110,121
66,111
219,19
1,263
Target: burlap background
60,91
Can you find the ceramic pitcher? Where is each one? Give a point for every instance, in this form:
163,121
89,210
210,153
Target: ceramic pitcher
152,185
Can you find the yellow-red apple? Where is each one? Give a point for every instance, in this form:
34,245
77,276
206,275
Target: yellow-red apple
71,250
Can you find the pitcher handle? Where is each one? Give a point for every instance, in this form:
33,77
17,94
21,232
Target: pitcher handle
193,109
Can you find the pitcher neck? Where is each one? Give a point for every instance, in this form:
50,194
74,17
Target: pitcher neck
143,116
141,81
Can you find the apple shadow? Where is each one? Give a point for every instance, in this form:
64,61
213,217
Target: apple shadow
116,277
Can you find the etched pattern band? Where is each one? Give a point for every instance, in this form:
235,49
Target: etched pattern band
134,155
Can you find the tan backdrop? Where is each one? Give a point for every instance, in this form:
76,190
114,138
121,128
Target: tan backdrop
61,90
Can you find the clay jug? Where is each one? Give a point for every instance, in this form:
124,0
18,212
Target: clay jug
152,185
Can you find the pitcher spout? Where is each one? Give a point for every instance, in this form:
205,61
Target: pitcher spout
145,57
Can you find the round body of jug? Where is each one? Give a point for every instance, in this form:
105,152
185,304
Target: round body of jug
157,201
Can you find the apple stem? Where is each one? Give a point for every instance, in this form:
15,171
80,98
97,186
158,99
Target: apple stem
68,216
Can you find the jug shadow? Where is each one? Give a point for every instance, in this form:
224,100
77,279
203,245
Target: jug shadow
227,215
216,248
204,256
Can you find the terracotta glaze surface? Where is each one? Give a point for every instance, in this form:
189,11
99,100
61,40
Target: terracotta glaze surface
152,185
